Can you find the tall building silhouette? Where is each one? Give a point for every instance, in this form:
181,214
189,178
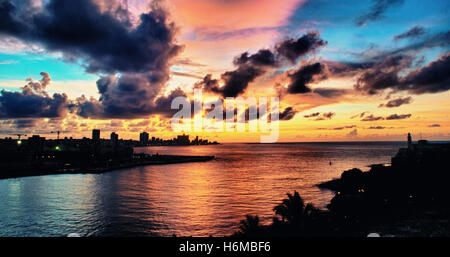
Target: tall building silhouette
114,138
409,142
143,138
95,134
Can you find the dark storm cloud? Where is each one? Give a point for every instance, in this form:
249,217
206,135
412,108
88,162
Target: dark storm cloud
263,57
305,75
433,78
414,32
288,114
396,102
209,84
293,49
163,104
386,69
105,43
434,126
376,11
237,81
28,104
383,75
398,116
127,97
250,67
33,101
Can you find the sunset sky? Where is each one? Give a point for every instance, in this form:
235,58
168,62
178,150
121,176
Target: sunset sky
344,70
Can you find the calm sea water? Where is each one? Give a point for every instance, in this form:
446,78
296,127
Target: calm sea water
192,199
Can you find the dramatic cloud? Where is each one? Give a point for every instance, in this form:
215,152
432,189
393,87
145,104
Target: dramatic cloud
433,78
287,114
128,96
236,82
33,101
263,57
305,75
104,41
414,32
386,74
293,49
386,70
398,116
383,75
434,126
396,102
249,67
376,11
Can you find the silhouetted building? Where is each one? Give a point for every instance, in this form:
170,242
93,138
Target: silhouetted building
36,144
143,138
421,154
114,138
183,139
409,142
95,134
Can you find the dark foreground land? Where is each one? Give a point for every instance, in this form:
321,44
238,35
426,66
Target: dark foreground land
37,156
409,198
55,168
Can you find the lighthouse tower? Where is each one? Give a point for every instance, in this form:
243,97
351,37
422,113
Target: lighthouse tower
410,146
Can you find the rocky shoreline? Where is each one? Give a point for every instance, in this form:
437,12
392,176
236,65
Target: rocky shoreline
407,198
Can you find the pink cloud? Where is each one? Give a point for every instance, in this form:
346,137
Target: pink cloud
228,15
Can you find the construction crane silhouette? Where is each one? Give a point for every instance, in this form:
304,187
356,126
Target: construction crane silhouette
58,133
19,135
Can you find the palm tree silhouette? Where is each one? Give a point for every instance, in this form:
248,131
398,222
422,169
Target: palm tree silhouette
293,209
250,225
